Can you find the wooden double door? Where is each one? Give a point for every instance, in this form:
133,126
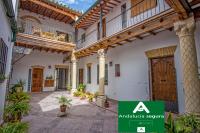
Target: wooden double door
163,74
37,79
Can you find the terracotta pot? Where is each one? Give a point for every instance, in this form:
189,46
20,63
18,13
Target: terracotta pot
63,108
106,104
18,89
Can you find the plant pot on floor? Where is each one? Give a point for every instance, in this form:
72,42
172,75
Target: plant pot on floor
63,108
106,104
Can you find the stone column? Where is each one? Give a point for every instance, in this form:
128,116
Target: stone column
185,30
74,71
101,98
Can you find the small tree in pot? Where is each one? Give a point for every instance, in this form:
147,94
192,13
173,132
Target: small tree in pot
64,103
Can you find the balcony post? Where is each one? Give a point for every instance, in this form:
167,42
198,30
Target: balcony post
101,22
185,31
101,98
74,71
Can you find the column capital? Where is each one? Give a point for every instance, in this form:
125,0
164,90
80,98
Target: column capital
73,57
185,27
101,53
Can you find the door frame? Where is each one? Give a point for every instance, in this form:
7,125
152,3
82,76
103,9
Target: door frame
36,67
151,77
159,53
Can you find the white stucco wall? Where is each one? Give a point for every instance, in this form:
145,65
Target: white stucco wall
37,58
133,84
6,35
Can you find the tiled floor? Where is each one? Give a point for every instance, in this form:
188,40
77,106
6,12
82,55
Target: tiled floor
83,117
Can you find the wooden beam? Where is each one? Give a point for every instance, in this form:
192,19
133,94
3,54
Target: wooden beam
152,33
138,37
127,40
178,7
45,5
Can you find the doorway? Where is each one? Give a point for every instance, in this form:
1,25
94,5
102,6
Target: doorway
37,80
61,78
80,76
163,75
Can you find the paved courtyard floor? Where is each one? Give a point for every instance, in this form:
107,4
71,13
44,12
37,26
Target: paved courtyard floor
83,117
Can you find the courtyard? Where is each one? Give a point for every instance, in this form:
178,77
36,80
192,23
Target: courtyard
83,117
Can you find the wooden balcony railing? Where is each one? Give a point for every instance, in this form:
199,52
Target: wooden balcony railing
45,31
136,14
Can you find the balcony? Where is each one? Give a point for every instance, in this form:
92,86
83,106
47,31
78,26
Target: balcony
38,36
127,25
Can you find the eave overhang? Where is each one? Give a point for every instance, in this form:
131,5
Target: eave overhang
92,15
51,10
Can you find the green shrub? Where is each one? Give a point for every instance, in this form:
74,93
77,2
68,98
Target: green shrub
81,87
18,105
14,111
77,93
18,97
188,123
18,127
90,97
83,95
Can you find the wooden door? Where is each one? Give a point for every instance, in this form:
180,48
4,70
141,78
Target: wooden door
80,76
37,79
164,82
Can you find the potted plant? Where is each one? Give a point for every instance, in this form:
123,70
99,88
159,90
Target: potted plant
20,85
81,87
64,103
2,78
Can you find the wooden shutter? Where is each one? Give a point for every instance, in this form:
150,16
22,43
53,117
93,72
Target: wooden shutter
140,6
104,27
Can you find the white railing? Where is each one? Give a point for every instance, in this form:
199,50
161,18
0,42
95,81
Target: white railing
115,24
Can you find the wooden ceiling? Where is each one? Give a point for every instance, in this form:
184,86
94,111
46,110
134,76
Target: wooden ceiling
50,9
93,14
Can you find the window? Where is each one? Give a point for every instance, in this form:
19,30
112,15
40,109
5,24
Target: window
117,70
89,74
83,38
106,74
3,57
124,16
103,29
140,6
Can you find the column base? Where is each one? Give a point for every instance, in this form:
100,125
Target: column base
72,91
101,101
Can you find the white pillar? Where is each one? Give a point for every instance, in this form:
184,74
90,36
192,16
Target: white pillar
101,98
74,71
185,30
